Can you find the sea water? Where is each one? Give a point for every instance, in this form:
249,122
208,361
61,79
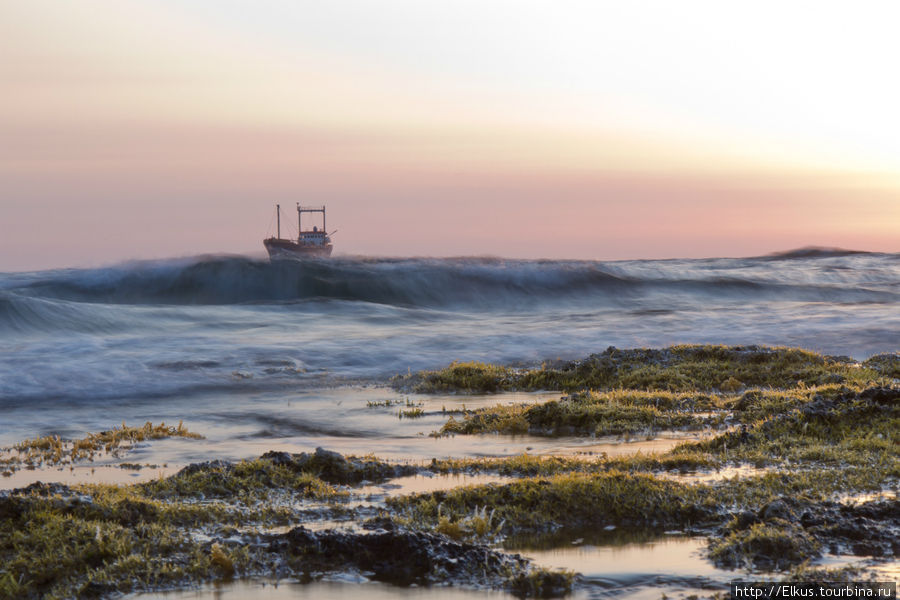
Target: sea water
224,339
292,355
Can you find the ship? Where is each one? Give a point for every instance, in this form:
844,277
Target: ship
314,242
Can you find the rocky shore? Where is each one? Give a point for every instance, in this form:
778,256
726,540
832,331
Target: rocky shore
812,440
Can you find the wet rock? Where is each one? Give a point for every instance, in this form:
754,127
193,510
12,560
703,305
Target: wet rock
810,518
333,467
60,496
842,359
279,459
888,396
210,479
298,537
97,589
887,365
39,488
541,584
404,557
748,400
779,539
11,507
379,524
210,465
55,496
330,466
778,545
777,509
847,407
744,519
131,512
865,548
870,529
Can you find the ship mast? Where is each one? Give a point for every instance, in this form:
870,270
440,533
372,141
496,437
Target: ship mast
309,209
278,211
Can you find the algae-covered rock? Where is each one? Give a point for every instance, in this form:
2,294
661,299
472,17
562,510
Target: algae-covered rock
677,368
595,413
777,509
541,583
887,365
305,474
328,465
778,545
786,532
404,557
333,467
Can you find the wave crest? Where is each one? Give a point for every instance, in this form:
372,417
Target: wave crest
414,282
235,280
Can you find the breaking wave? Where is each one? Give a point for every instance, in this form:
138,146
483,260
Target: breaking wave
816,252
185,328
416,282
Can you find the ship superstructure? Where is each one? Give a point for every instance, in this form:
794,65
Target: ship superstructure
312,242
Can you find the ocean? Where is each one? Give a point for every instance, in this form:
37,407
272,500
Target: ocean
163,334
291,356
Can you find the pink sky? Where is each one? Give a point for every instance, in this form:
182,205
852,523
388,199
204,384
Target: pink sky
140,130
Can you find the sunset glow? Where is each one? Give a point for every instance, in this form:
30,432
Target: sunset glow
133,129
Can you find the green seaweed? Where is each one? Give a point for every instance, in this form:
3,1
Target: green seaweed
615,412
840,427
677,368
573,499
411,413
114,540
249,479
52,450
765,545
822,426
469,377
628,498
886,365
682,458
541,583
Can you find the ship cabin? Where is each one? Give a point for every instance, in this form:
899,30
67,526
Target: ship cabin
313,238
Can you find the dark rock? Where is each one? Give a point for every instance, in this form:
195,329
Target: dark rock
744,519
864,548
887,365
11,507
332,467
131,512
400,557
300,537
776,509
279,459
882,395
778,545
330,458
210,465
46,489
843,359
810,518
748,400
869,529
96,589
380,523
326,464
546,584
